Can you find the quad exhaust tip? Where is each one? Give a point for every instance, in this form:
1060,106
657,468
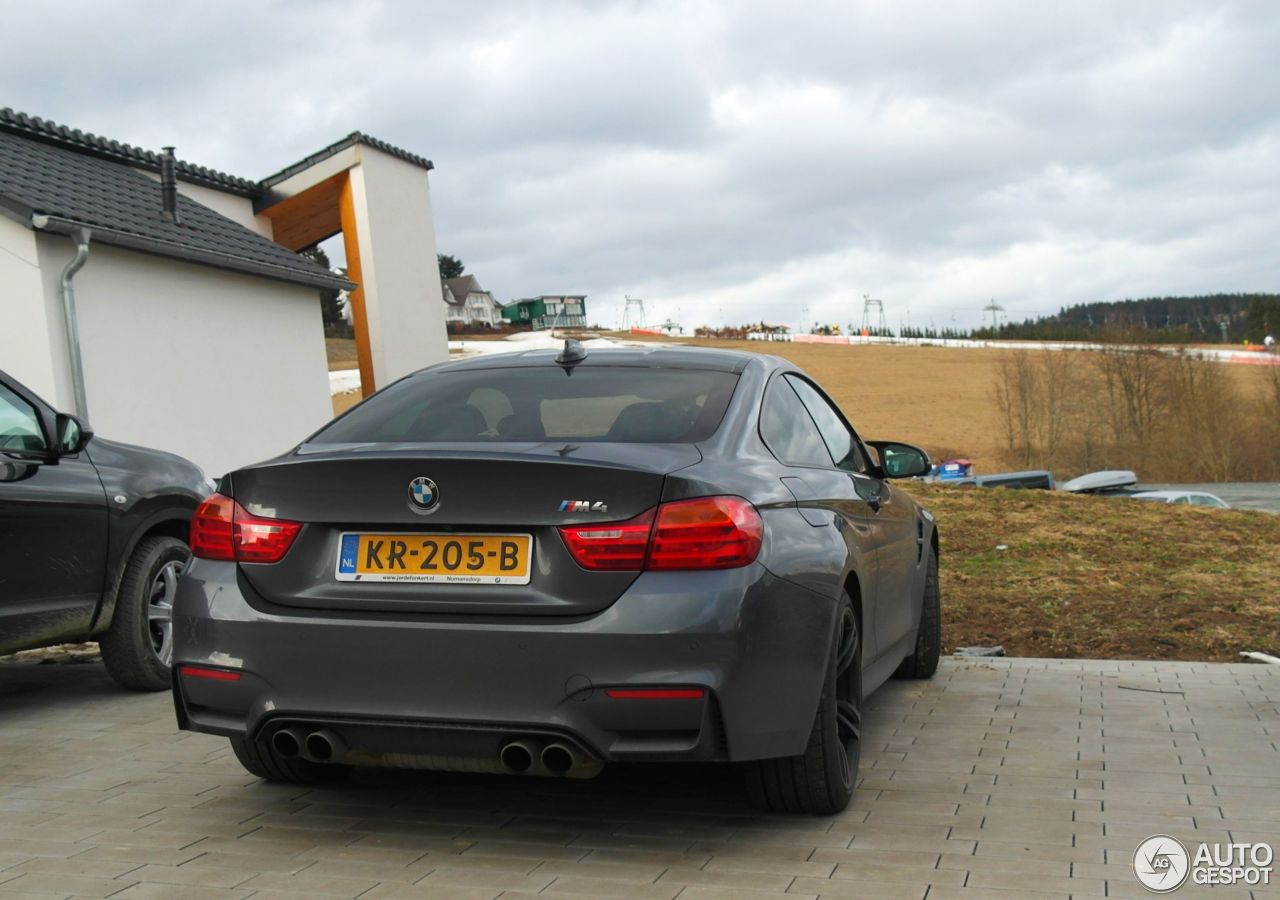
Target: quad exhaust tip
560,759
287,743
321,746
518,756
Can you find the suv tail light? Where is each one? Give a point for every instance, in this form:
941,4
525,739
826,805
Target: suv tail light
222,529
703,533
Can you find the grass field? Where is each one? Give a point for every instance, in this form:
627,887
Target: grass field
1104,577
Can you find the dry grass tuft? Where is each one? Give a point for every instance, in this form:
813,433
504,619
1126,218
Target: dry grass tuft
1105,577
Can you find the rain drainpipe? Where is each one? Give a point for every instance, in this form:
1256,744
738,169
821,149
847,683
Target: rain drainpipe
81,239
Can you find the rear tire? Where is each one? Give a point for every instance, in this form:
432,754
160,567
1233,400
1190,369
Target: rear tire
261,761
138,647
923,661
820,781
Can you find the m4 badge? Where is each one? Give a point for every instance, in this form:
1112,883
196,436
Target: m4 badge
583,506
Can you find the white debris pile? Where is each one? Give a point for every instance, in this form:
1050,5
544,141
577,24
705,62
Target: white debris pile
1260,657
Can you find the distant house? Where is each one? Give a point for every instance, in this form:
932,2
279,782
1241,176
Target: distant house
549,311
466,303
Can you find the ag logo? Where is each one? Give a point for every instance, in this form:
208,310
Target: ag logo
1161,863
423,494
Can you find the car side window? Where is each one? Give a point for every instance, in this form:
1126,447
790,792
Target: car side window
835,434
19,423
788,430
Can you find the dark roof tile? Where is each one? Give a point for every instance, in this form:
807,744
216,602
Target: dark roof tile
122,206
40,129
355,137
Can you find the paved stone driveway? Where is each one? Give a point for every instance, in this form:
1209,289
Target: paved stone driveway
1028,777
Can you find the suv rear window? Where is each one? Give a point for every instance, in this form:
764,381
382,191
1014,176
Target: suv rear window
597,403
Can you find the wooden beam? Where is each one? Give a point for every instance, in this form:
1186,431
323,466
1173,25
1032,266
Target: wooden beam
308,217
359,318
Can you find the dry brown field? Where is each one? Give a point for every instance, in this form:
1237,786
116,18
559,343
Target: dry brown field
940,398
936,397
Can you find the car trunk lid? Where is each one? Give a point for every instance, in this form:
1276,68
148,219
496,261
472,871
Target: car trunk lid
488,489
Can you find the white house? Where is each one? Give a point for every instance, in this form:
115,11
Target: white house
199,327
466,303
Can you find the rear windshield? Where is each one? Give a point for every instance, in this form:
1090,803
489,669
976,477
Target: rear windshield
616,404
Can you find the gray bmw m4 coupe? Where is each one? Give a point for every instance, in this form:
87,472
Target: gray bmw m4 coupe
540,563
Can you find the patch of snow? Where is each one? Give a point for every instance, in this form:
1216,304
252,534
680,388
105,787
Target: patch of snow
344,380
521,341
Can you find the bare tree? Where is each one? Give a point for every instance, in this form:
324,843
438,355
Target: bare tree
1202,420
1131,379
1016,394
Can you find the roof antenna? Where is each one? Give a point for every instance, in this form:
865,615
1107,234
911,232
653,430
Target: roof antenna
169,188
572,354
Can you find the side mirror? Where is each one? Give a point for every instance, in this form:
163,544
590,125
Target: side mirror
73,435
901,460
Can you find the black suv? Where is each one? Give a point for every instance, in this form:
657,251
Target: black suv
92,539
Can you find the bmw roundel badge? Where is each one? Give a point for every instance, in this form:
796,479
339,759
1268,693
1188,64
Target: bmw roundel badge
423,493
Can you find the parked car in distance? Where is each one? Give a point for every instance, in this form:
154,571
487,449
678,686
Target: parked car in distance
539,564
1112,481
92,538
1032,479
1184,498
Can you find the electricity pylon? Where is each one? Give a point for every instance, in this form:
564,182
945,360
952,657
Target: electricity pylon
633,314
995,309
872,323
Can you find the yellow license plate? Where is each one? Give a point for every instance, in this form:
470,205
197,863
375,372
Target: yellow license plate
448,558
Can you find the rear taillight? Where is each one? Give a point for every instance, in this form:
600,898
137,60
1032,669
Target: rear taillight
703,533
611,546
222,529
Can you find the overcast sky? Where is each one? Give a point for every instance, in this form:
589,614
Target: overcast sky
735,161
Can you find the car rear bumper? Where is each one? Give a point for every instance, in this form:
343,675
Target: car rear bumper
461,686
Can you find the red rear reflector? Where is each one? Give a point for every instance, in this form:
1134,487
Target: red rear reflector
211,674
610,546
655,693
222,529
706,533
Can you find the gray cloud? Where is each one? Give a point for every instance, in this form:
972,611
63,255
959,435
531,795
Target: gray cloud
736,159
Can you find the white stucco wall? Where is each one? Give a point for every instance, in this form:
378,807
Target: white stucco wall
24,325
222,368
398,268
